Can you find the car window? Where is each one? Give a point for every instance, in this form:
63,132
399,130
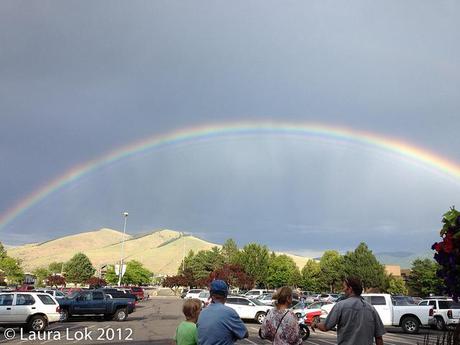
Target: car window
242,301
433,303
423,303
256,302
46,299
86,296
232,300
59,293
24,299
6,299
378,300
314,306
98,295
445,304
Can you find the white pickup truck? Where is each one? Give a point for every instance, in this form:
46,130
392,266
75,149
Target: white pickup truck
395,311
445,311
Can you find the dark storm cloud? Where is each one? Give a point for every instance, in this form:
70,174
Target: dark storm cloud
79,79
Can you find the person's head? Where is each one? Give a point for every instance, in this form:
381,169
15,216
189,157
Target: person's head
191,309
283,296
218,291
352,286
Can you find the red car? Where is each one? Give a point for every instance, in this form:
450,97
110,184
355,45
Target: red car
312,316
138,292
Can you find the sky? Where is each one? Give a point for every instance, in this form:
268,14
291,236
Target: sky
82,80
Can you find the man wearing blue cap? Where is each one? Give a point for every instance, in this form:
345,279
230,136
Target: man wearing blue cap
217,323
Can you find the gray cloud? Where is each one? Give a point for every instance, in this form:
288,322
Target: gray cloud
80,79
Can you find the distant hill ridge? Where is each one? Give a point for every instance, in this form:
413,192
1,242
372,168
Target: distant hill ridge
161,250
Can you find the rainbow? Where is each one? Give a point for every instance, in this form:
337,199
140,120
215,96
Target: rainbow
237,129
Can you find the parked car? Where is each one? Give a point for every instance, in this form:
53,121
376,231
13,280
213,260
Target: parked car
138,292
328,297
55,293
35,310
256,292
95,302
193,293
446,312
266,298
300,310
68,291
204,297
408,317
248,308
119,293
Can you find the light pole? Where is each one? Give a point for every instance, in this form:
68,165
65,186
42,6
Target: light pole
120,271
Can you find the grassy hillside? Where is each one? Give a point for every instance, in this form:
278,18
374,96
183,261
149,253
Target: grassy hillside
160,251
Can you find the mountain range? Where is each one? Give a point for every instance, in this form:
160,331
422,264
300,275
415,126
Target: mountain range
161,251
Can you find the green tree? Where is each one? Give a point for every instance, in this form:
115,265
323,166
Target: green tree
202,263
110,276
230,251
363,264
55,267
40,274
2,251
423,279
254,258
395,285
12,270
282,271
136,274
311,276
331,267
78,269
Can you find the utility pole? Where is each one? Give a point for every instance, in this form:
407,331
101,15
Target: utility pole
120,271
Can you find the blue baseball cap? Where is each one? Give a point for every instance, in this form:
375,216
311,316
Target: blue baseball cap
219,287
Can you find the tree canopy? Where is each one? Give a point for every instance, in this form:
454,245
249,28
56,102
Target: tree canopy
79,269
282,271
363,264
423,279
254,258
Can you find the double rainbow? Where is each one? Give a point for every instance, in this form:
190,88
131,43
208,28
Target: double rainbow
237,129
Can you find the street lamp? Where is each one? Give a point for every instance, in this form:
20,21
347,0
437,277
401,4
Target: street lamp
120,271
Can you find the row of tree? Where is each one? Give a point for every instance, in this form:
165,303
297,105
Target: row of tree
255,265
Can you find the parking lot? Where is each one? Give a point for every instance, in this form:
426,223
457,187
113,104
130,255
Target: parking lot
154,322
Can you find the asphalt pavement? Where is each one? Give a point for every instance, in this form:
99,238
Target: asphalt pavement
154,322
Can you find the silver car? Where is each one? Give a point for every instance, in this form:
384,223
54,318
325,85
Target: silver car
35,310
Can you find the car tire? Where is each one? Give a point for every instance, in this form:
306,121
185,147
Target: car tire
440,324
304,332
64,315
410,325
37,323
260,317
121,314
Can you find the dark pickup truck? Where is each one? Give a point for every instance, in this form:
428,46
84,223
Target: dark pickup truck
95,302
